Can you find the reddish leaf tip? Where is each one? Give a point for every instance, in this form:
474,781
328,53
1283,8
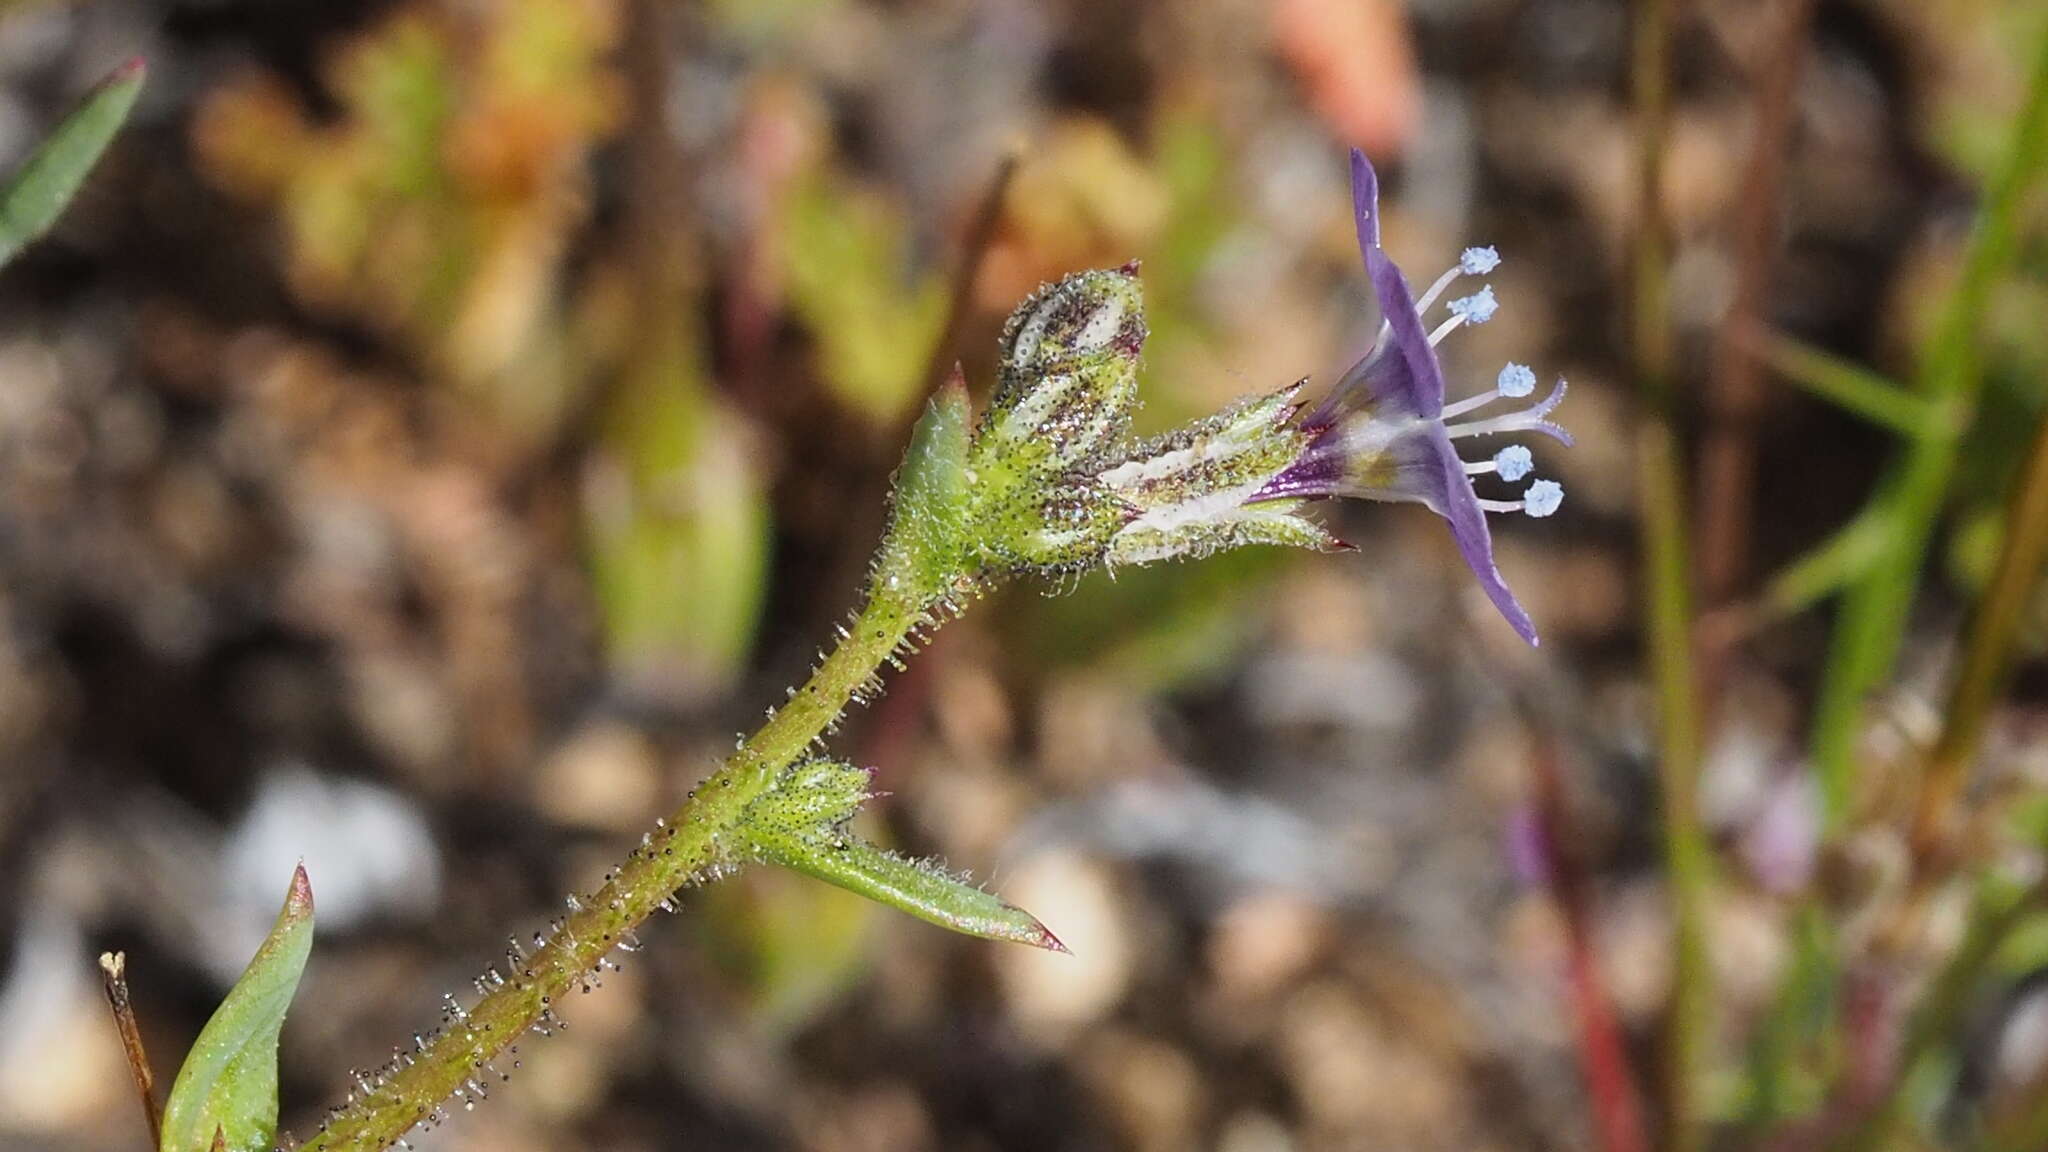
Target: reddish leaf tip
1048,941
131,68
299,900
1130,268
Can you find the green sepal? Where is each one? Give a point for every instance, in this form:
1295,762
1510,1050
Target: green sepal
800,823
1276,522
1193,489
228,1085
39,191
928,510
813,798
1064,527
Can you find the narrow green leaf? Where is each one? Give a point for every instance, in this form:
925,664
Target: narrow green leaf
920,887
39,192
1830,566
228,1085
1871,627
1854,388
800,823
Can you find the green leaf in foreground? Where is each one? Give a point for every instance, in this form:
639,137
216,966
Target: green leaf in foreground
228,1086
800,824
45,184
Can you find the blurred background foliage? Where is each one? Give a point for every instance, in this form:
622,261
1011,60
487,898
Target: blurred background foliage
441,424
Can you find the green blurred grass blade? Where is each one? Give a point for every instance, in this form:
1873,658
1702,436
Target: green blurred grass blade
1995,627
1872,625
229,1081
1830,566
1997,911
1870,629
1852,388
1667,594
1783,1079
39,192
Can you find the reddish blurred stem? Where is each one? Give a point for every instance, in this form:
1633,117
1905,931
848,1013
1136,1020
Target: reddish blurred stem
1728,452
974,246
1610,1084
654,172
888,744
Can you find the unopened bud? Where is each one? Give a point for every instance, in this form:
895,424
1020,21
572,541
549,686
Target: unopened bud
1070,374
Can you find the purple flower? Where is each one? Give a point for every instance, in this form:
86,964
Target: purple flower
1384,432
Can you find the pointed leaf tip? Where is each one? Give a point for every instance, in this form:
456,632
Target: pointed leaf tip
298,900
920,887
957,378
225,1098
1046,939
37,194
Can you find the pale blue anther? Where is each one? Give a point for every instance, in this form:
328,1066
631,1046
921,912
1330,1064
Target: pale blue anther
1477,308
1513,462
1516,381
1478,261
1542,498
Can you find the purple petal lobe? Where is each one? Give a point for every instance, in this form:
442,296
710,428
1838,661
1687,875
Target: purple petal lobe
1365,202
1414,381
1319,472
1431,472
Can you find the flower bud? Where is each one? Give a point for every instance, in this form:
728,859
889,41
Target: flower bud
1069,378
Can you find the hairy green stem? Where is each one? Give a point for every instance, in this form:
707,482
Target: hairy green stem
695,840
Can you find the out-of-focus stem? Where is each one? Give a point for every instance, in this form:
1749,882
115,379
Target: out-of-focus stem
1992,919
693,840
1728,452
1987,657
1668,609
1872,624
1610,1084
981,231
114,977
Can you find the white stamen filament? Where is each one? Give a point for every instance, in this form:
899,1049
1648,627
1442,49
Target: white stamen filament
1512,422
1453,411
1528,418
1501,505
1436,290
1451,276
1446,328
